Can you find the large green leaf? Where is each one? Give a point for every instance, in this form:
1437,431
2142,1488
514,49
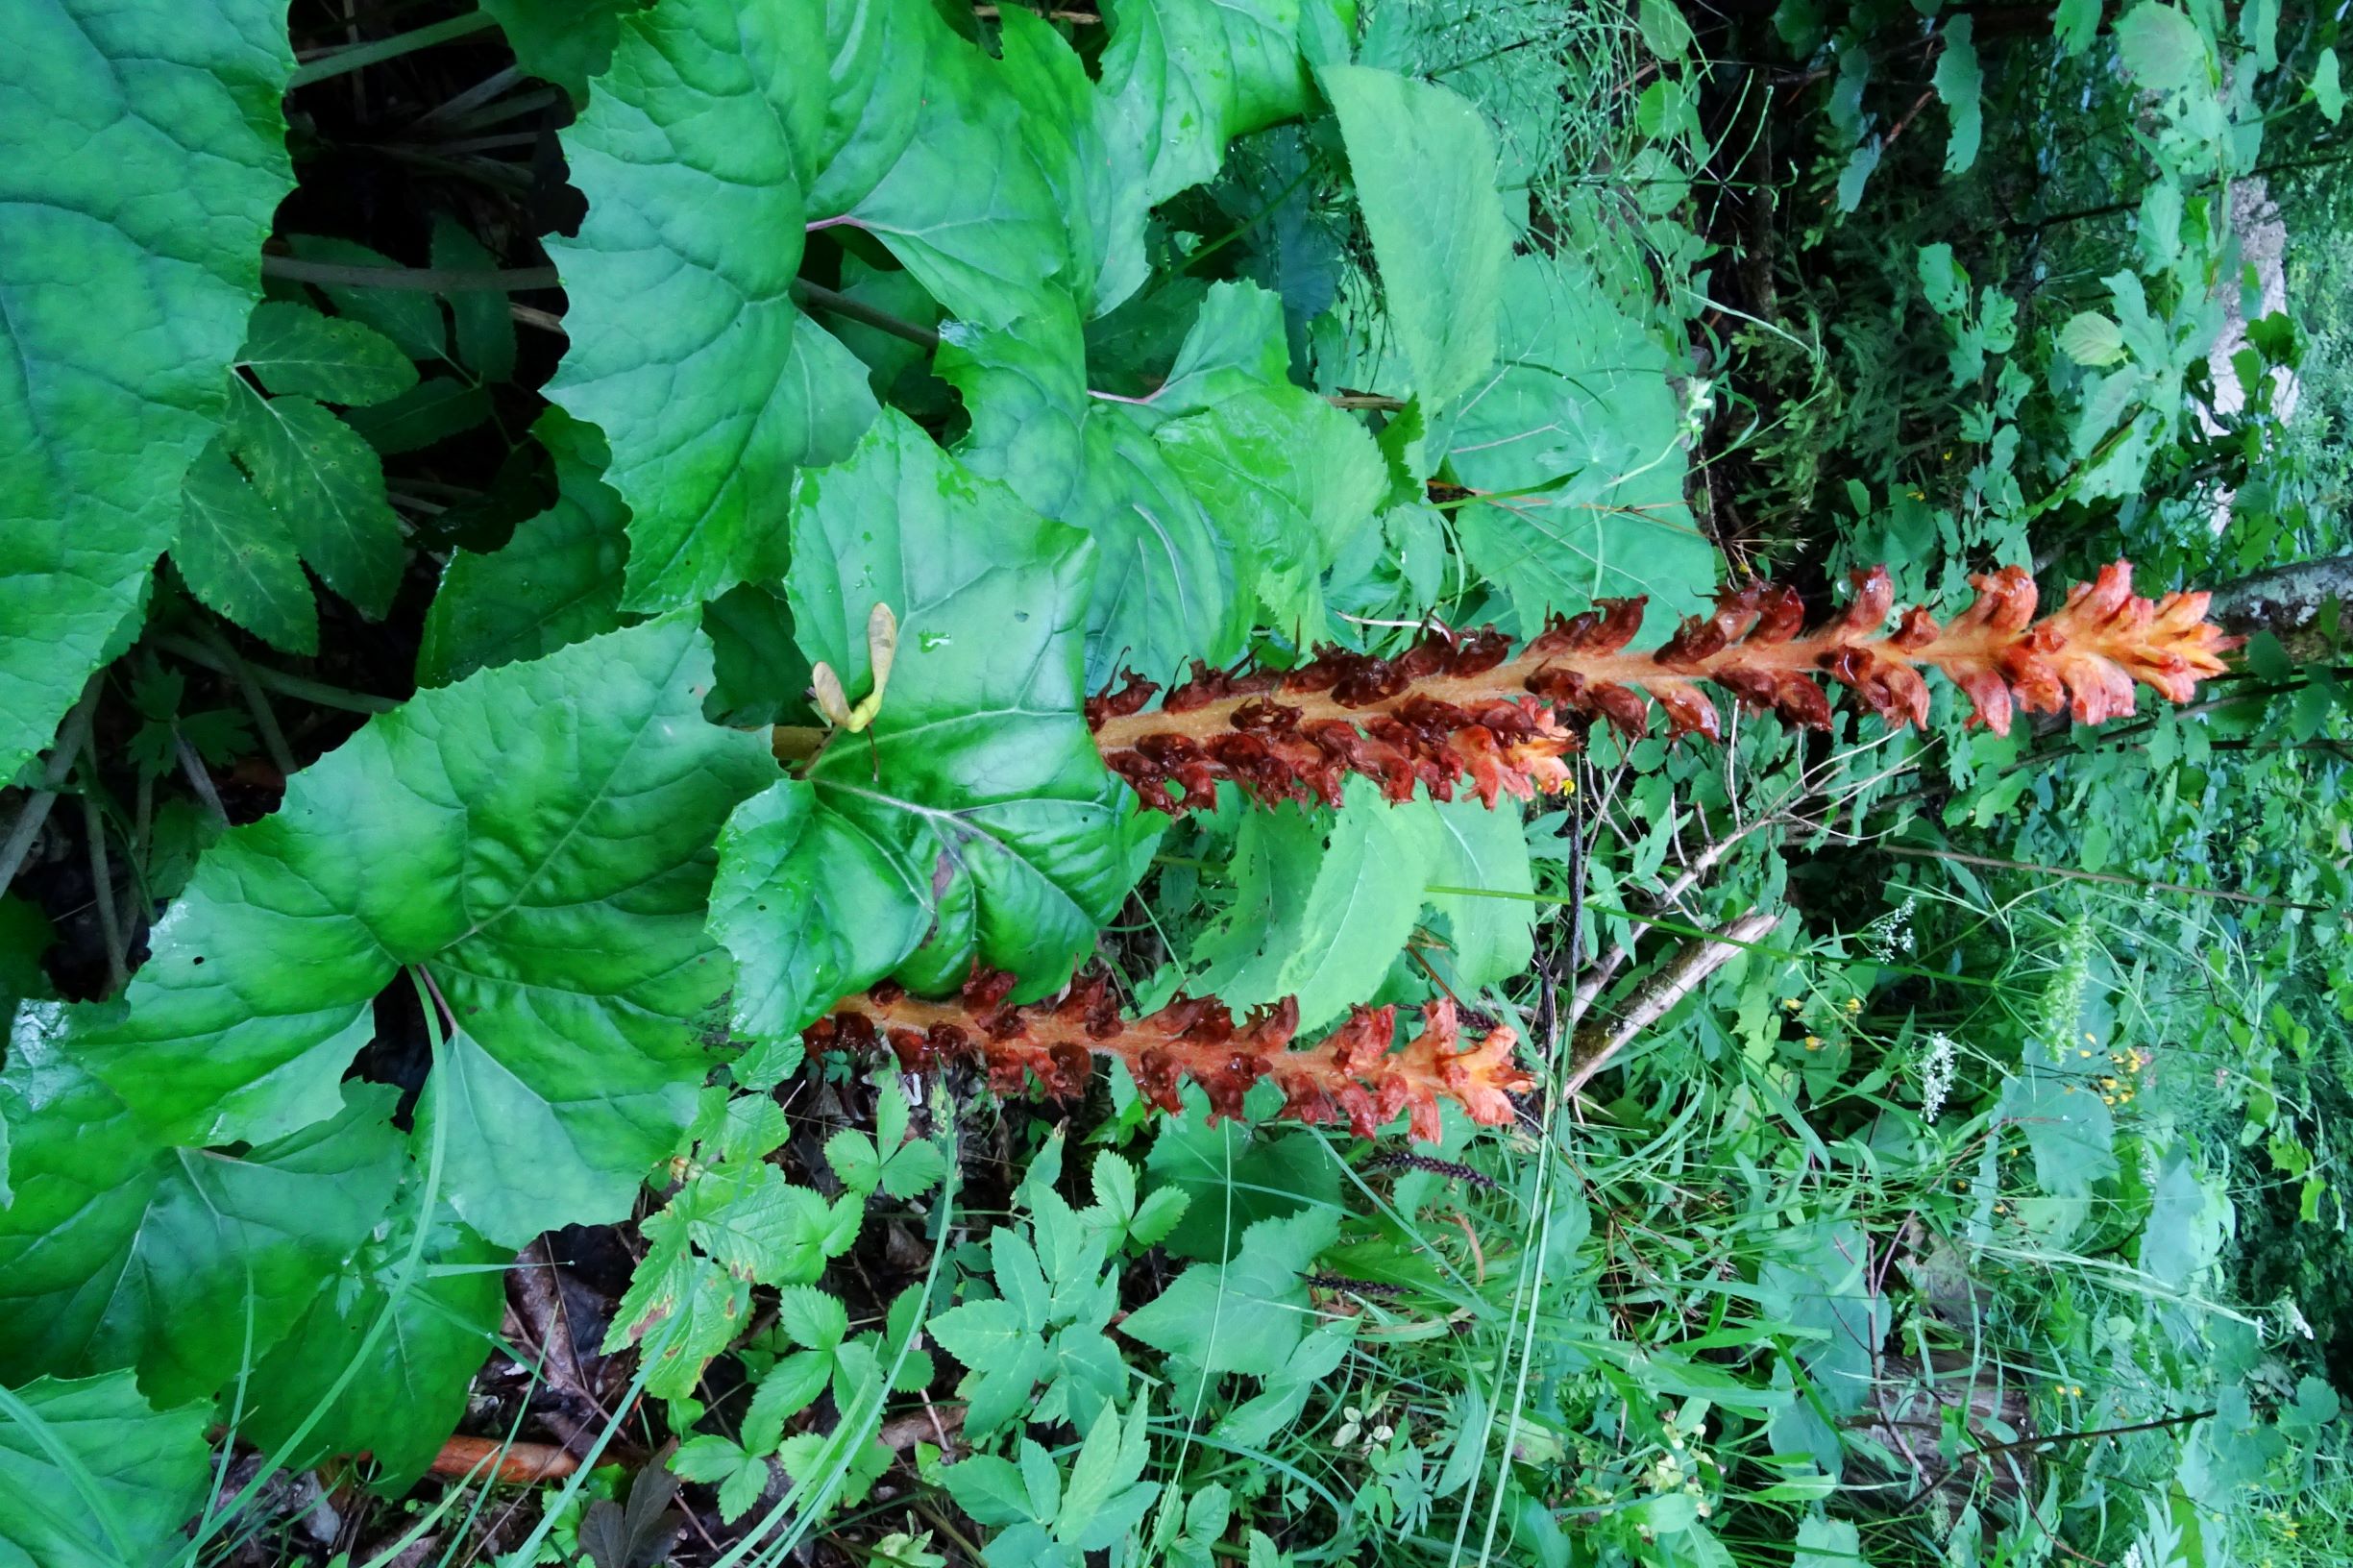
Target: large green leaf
975,808
1583,414
179,1262
923,145
408,1380
1248,1312
95,1478
1486,852
1292,483
146,155
1186,76
685,345
556,580
536,840
1164,578
1323,904
1424,164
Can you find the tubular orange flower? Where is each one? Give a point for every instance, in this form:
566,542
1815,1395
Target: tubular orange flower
1352,1075
1465,708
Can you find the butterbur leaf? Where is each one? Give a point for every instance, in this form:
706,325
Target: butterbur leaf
292,347
1581,419
178,1262
556,580
811,906
1292,483
536,840
1423,165
975,789
146,156
409,1387
1186,76
685,345
1164,585
95,1476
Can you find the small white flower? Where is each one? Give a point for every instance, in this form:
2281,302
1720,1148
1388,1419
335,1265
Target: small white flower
1936,1070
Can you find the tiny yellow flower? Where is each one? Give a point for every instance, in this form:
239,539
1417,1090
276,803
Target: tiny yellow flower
1813,1042
1790,1004
1855,1004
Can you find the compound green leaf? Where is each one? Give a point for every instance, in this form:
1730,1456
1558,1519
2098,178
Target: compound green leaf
1582,420
685,345
978,769
535,839
1247,1313
556,580
1185,77
292,347
118,1252
146,155
235,554
411,320
408,1386
1164,578
95,1478
1961,84
1424,164
327,484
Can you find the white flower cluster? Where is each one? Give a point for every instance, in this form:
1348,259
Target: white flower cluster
1936,1070
1891,933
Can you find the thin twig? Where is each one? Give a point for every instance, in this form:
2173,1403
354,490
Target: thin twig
278,680
265,721
102,884
1693,963
28,824
199,780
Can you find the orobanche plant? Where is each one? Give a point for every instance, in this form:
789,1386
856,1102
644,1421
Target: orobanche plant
620,921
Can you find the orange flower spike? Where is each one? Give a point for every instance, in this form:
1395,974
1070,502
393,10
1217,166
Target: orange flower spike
1455,709
1350,1076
